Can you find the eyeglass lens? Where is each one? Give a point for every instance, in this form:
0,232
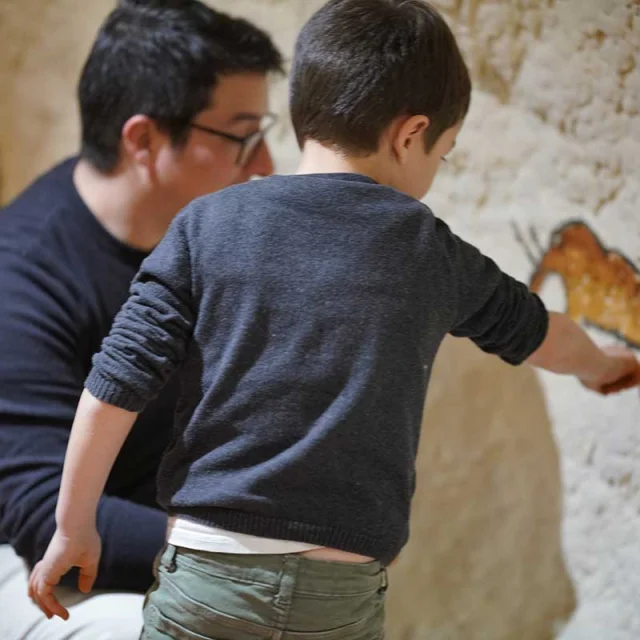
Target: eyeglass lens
253,143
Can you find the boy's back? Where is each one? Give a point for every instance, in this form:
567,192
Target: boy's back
318,303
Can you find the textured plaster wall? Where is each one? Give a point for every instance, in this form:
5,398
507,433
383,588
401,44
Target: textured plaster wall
554,136
527,511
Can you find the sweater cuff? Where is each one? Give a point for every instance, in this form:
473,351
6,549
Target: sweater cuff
108,390
535,331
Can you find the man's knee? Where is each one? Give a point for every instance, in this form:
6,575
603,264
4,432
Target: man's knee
101,616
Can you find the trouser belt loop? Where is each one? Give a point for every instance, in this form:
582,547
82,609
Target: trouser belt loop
172,565
384,581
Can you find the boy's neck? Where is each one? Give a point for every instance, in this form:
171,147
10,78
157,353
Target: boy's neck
317,158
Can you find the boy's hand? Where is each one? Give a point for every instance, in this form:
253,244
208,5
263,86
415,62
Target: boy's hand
64,553
621,371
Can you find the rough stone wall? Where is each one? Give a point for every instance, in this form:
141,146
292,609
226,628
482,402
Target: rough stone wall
554,136
529,487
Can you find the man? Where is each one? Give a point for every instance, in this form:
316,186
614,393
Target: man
173,101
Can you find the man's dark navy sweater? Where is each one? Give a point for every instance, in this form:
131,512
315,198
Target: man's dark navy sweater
62,280
304,314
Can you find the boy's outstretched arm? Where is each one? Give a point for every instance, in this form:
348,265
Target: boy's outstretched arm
567,349
98,433
502,316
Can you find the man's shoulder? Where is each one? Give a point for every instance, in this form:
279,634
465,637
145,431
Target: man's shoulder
44,249
25,219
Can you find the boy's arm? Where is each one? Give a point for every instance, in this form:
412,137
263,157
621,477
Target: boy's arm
97,435
146,344
503,317
487,305
98,432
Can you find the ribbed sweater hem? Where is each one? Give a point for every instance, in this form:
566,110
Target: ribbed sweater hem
281,529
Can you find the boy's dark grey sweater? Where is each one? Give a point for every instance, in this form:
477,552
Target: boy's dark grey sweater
305,313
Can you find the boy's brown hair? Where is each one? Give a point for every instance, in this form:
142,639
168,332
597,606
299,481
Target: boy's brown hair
359,64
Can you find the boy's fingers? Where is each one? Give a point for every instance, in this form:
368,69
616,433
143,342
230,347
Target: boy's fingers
630,380
44,609
33,582
87,577
37,596
41,592
52,604
48,602
627,382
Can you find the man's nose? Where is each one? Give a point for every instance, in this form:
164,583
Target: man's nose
261,164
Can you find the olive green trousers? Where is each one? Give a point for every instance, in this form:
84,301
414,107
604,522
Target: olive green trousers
212,596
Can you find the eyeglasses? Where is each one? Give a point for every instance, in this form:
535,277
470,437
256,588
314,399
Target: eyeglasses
249,144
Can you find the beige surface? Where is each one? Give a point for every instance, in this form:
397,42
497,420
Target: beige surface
554,133
484,560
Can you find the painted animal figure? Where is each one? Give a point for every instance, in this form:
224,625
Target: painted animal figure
602,286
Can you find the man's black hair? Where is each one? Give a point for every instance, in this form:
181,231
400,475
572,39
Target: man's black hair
161,58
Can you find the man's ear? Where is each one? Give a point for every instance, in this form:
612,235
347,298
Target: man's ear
409,131
139,140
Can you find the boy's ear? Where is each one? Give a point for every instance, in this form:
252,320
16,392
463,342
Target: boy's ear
410,131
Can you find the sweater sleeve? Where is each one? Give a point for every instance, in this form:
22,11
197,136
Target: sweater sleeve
150,334
496,311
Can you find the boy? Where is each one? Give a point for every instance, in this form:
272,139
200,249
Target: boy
304,313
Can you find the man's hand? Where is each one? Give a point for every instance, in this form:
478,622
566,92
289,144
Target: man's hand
63,554
622,371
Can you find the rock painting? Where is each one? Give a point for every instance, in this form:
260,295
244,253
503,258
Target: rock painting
602,286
